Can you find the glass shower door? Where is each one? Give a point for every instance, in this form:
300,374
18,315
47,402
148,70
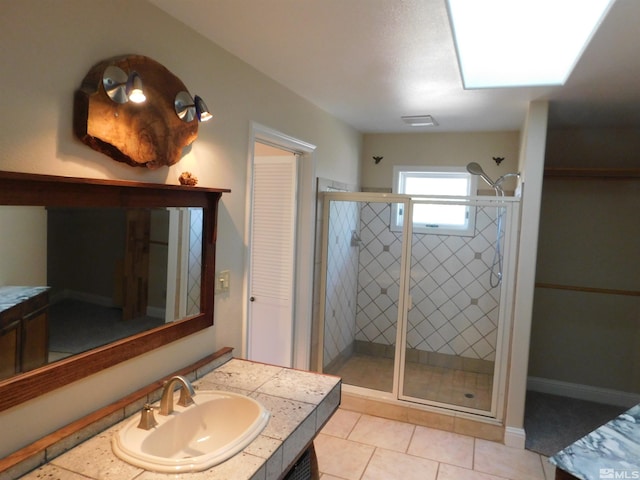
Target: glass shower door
417,316
453,332
362,282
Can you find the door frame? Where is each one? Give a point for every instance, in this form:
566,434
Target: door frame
177,265
304,242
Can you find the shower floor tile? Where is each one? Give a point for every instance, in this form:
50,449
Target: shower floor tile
367,371
438,384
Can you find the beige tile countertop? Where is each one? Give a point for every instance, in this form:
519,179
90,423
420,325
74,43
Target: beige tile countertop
300,403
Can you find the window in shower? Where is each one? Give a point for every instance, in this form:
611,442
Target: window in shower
442,217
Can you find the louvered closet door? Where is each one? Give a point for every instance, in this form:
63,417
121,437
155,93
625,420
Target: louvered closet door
271,292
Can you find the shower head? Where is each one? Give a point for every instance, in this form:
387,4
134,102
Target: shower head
474,169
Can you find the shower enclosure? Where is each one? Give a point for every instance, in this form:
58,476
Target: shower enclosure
418,316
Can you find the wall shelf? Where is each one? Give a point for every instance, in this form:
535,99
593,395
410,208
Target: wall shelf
596,173
574,288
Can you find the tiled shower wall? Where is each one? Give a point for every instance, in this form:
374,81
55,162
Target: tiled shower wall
195,261
341,284
378,277
454,309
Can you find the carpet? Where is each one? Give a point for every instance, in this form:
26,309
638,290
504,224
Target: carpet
552,422
76,326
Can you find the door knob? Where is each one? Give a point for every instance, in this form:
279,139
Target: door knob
252,299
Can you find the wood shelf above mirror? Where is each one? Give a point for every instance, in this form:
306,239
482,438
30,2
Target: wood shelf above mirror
92,199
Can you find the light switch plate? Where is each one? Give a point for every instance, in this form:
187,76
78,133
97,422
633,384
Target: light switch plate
223,280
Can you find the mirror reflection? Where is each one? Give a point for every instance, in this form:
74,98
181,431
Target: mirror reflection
114,272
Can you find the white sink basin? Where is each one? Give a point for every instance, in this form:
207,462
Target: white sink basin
193,438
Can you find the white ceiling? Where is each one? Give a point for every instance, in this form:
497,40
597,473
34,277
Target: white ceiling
369,62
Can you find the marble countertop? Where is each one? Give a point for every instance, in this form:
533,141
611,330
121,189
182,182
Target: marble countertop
10,296
610,451
299,402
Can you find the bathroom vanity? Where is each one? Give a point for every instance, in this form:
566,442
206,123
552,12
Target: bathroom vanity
299,404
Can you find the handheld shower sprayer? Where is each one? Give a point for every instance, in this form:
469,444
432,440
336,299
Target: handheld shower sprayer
473,168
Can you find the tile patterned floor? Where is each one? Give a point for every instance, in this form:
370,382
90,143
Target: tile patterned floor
354,446
446,385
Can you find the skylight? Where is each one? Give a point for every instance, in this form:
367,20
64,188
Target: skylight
510,43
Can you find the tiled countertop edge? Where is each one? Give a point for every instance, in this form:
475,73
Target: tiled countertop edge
49,447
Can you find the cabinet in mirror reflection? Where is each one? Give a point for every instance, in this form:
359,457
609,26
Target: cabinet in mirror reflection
111,272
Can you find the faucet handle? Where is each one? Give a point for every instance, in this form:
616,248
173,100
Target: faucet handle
147,420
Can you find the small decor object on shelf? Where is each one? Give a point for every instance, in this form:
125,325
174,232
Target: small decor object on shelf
187,179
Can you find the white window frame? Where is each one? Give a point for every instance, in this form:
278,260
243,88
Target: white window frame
400,175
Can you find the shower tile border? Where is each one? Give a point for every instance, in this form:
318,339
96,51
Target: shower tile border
423,357
412,414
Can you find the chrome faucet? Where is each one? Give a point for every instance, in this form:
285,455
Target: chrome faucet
186,394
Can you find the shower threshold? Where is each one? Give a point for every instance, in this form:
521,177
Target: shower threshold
435,384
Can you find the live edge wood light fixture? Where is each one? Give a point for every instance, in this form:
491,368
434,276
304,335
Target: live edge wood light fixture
149,131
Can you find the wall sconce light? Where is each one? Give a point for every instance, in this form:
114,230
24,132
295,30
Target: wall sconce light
204,115
134,87
188,108
121,87
107,118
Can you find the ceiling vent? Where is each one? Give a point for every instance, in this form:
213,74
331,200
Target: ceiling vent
420,121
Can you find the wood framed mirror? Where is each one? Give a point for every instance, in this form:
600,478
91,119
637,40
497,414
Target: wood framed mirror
143,206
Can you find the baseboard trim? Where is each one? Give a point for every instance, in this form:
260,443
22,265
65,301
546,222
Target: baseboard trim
514,437
583,392
156,312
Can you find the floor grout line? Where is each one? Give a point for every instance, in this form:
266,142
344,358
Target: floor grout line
405,451
368,462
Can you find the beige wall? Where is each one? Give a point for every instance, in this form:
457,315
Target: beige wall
48,47
593,147
589,238
23,246
438,149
